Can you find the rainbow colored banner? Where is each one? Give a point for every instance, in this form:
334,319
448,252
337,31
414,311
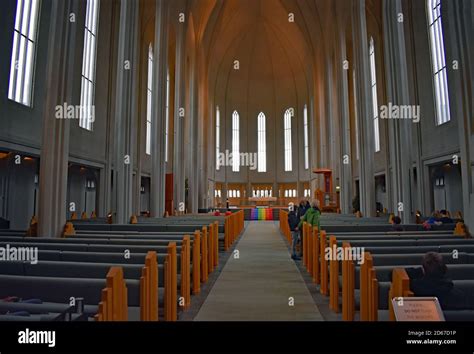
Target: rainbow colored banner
261,214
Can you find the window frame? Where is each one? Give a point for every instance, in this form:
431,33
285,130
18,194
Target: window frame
306,137
149,104
89,64
439,71
235,142
288,149
26,32
218,137
373,83
261,142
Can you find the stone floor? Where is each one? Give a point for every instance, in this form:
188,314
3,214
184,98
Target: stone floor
261,284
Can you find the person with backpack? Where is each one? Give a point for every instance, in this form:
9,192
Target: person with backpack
293,221
312,217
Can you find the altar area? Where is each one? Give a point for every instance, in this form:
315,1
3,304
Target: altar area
262,201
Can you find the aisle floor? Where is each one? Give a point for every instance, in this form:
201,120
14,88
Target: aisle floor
260,284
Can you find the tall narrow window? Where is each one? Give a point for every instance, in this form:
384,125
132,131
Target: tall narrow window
20,87
373,77
218,137
438,62
306,140
235,142
89,59
287,136
262,145
149,98
167,117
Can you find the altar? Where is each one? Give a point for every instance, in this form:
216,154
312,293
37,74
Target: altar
262,201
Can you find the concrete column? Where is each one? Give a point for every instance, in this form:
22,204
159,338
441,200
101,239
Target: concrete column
204,131
159,109
192,132
364,99
346,157
458,41
55,135
400,130
178,163
125,111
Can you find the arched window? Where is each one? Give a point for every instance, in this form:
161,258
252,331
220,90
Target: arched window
149,100
235,142
306,138
167,116
287,138
218,136
20,87
262,145
438,61
373,76
89,60
238,193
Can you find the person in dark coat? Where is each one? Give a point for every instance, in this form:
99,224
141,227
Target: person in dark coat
293,221
431,281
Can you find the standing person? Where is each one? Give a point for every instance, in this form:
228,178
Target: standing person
227,203
300,210
307,206
293,221
300,213
312,216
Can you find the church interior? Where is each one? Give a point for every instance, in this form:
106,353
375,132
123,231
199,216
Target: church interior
236,160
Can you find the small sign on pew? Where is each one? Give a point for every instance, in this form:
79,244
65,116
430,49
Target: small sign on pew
417,309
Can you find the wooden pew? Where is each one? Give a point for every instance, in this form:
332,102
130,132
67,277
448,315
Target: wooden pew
323,263
368,290
197,263
149,289
113,305
284,226
315,257
348,287
216,244
204,255
186,272
400,287
333,277
171,313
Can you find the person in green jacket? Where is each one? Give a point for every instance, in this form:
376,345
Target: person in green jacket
312,217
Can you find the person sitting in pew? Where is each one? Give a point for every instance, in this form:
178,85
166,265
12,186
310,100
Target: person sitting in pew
396,224
444,217
431,280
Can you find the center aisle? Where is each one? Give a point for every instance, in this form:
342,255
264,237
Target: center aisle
259,284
